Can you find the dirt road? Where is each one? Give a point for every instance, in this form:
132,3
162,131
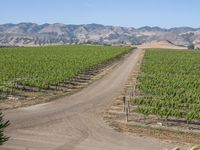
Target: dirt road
75,122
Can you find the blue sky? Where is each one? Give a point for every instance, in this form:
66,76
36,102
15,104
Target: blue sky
129,13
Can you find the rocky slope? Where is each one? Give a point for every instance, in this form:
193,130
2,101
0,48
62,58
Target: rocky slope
33,34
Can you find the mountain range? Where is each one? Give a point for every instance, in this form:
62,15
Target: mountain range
29,34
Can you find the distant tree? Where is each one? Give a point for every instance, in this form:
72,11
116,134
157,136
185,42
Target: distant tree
191,46
3,125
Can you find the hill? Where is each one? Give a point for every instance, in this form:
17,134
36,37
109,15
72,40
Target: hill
28,34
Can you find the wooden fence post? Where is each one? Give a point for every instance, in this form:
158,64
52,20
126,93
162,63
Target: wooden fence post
126,114
128,106
124,102
132,92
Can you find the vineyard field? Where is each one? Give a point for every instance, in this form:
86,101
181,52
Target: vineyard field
169,85
50,65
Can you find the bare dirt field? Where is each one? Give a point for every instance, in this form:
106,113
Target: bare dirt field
160,44
75,122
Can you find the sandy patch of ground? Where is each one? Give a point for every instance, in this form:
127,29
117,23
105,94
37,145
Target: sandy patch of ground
160,44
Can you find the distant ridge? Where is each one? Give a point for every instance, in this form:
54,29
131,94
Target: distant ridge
26,34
